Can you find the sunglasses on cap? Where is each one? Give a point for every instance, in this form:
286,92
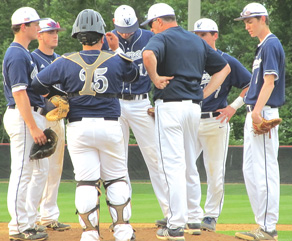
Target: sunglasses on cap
248,13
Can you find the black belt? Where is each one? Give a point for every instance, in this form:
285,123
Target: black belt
35,108
80,118
181,100
249,108
209,115
132,96
97,95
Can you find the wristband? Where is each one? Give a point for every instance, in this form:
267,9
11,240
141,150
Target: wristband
119,51
237,103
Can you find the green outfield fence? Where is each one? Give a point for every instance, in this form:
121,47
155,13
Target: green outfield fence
138,169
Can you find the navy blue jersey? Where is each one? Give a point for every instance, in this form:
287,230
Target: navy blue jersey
269,59
106,80
239,77
133,47
183,55
18,70
42,60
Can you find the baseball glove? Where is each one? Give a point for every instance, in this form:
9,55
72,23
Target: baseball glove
151,111
40,152
61,110
265,126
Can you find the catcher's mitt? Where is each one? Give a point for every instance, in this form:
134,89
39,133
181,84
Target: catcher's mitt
265,126
61,110
40,152
151,111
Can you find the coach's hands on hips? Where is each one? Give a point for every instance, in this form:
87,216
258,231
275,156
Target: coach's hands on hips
161,81
225,114
112,40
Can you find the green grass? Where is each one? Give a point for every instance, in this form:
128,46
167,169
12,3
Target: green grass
145,208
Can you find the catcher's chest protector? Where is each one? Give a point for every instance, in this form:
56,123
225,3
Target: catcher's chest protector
89,69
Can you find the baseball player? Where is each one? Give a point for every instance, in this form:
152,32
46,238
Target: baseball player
43,56
92,78
176,74
213,135
265,95
24,124
134,98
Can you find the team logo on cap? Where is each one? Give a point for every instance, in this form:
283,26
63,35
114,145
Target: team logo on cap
199,25
127,21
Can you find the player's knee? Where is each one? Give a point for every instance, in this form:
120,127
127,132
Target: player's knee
118,200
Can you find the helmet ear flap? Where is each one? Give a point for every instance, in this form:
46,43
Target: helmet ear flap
88,20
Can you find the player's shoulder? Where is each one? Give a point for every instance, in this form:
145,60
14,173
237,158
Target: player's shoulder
146,32
125,57
67,55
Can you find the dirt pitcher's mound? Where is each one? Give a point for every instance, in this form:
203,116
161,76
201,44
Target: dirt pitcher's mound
143,233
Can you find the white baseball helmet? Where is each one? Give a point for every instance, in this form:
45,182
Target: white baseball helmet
205,25
49,24
125,19
158,10
24,15
252,10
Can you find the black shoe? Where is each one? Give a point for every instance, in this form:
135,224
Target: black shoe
58,226
257,234
171,234
193,228
161,223
29,234
208,224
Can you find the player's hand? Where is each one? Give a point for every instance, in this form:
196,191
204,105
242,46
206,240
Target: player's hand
162,81
225,114
256,117
112,40
38,136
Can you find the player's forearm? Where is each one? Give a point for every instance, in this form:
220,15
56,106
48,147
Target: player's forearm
238,102
38,87
265,93
150,63
216,80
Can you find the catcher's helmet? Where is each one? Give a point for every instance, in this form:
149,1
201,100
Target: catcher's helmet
88,20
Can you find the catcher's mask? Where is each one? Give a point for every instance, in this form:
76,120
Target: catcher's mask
88,20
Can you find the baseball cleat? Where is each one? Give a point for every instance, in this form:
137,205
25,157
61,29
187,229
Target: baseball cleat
40,228
29,234
193,228
257,234
161,223
58,226
208,224
171,234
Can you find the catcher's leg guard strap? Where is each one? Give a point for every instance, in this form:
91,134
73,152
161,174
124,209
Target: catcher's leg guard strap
85,219
85,216
119,208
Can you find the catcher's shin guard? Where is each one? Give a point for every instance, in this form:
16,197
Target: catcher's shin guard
90,223
118,216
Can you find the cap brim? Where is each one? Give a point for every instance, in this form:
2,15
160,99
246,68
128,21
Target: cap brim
146,22
130,29
13,24
47,30
249,16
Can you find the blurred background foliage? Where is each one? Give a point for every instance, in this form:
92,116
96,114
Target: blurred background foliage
233,39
